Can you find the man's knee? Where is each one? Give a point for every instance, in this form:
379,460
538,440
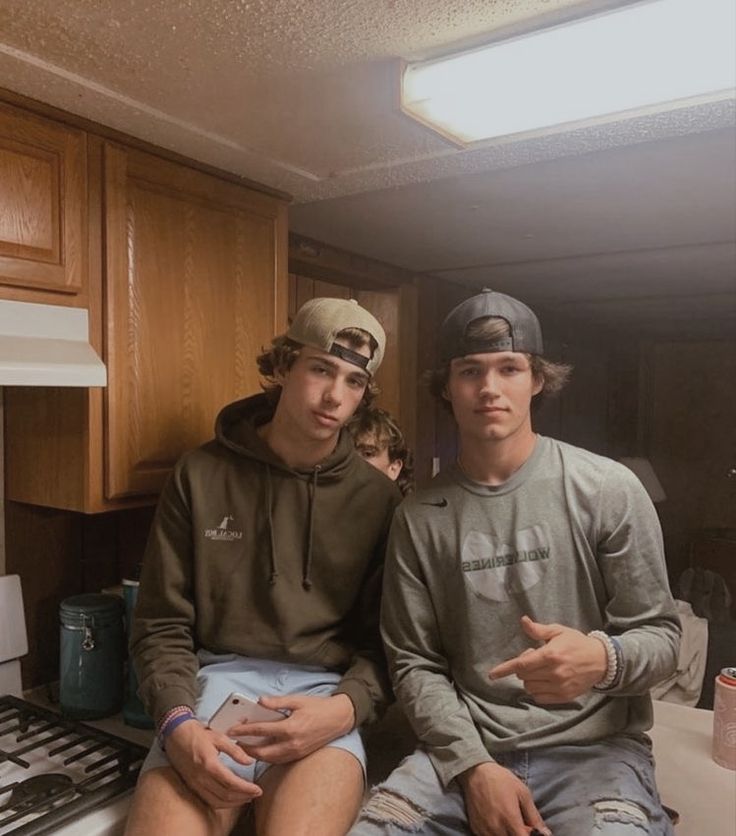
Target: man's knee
411,800
163,803
320,793
389,810
387,805
611,813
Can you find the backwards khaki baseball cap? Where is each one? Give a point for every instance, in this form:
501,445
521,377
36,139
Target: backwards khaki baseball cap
319,321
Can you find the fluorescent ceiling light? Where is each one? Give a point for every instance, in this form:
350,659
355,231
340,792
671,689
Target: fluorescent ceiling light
636,58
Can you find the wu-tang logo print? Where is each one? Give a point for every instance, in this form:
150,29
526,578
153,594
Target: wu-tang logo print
498,570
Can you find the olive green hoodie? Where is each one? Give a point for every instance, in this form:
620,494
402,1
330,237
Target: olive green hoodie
249,556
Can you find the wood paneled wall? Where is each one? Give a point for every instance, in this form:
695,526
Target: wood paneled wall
61,553
690,437
671,401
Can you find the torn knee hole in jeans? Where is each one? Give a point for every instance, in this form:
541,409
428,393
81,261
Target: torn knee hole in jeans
388,807
617,810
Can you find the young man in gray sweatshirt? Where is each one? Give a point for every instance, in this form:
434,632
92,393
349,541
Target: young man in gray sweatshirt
526,613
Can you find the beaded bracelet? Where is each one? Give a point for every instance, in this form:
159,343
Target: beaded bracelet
619,660
172,712
171,725
174,717
612,660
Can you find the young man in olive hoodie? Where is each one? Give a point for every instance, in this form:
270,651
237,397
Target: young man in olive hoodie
262,576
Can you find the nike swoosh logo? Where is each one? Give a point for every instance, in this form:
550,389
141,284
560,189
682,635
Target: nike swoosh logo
442,503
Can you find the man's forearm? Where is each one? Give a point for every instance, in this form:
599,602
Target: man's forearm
442,723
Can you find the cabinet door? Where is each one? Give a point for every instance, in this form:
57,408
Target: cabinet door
196,286
43,215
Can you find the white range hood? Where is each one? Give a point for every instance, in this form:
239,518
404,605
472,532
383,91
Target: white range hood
47,345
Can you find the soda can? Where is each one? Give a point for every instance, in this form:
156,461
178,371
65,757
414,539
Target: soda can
724,719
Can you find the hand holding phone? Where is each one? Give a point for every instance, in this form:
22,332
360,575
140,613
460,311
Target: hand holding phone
238,708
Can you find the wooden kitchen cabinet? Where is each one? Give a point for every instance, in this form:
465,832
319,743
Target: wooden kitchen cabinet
43,203
194,284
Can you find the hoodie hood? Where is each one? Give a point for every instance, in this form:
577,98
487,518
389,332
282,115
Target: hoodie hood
237,425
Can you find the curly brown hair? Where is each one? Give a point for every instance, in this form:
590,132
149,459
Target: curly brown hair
281,355
377,424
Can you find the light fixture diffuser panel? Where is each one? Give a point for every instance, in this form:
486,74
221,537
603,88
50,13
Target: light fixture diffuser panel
637,58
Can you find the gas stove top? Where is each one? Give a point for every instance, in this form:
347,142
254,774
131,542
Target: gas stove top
54,770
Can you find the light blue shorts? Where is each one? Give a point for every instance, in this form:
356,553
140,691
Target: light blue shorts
220,675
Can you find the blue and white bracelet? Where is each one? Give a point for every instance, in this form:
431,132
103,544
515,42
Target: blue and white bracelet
614,660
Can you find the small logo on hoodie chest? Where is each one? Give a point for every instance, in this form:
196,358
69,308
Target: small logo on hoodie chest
224,531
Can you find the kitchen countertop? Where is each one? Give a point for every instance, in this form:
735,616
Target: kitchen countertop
45,696
688,778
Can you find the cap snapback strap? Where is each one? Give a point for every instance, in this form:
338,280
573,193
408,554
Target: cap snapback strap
349,356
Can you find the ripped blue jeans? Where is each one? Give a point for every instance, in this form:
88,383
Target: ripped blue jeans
602,789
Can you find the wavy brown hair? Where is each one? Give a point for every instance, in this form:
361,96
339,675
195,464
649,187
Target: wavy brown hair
553,376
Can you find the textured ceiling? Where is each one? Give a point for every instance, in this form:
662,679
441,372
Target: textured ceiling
301,96
293,93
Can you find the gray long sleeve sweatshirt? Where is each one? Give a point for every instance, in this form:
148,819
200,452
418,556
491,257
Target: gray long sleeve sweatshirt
572,538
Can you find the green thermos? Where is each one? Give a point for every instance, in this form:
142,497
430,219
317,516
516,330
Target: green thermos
91,655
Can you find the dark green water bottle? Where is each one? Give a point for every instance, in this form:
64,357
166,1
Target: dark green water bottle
133,712
91,656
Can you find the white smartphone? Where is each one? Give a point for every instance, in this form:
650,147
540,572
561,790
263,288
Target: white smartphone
238,708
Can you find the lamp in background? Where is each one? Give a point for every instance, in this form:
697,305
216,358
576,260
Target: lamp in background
642,57
644,470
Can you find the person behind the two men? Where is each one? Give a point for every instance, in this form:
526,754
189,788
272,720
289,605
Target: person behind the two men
380,441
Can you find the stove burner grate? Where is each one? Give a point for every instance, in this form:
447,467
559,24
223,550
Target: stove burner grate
53,769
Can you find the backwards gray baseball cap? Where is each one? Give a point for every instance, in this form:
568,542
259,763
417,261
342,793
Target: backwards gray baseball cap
525,332
318,322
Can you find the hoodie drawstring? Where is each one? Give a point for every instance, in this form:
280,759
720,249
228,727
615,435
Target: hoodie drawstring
269,503
307,565
306,574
